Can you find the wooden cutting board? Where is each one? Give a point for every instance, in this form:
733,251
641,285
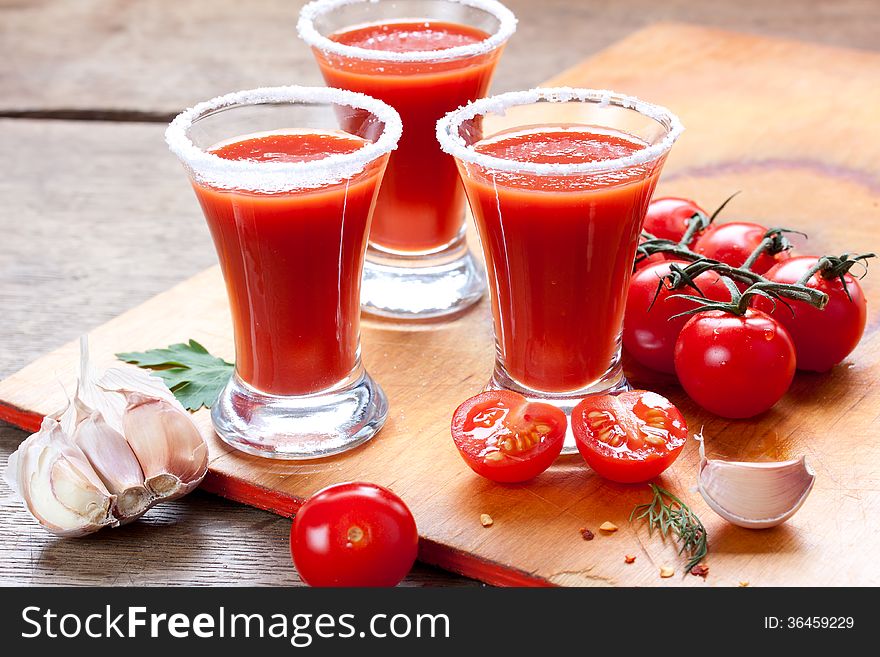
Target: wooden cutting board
793,126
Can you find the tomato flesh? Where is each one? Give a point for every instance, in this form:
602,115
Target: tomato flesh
734,366
354,534
734,242
506,438
822,338
630,437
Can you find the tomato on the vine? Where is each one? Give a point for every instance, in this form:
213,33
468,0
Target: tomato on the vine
734,242
629,437
650,331
504,437
735,366
669,217
822,338
353,534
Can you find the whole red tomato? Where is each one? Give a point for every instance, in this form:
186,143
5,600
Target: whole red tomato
822,338
734,242
506,438
649,331
629,437
353,534
735,366
668,217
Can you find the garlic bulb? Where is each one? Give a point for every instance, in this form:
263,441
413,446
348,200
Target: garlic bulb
120,446
167,443
57,483
754,495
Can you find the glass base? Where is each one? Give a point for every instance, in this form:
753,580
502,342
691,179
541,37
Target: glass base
423,286
299,427
613,380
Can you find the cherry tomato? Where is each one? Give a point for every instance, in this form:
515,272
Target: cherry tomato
734,242
354,534
504,437
822,338
649,333
629,437
734,366
668,217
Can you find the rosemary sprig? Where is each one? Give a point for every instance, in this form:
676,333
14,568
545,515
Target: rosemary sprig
664,512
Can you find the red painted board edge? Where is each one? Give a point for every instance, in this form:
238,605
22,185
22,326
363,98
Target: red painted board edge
430,552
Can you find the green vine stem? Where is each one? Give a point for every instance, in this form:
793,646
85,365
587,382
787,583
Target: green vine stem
830,267
774,242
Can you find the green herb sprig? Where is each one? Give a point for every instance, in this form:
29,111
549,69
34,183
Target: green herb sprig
666,512
195,376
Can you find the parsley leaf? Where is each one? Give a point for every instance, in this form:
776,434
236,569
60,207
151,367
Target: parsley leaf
194,375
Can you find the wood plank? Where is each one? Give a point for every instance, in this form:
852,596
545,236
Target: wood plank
120,59
799,166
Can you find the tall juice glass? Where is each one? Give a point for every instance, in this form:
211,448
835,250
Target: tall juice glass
558,181
287,179
424,58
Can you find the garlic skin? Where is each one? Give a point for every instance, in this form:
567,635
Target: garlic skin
59,486
115,463
167,443
754,495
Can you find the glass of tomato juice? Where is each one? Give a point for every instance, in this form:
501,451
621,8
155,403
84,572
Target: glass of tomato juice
287,179
558,181
424,58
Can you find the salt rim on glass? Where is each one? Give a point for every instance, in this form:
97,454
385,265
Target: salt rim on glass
306,28
275,177
453,144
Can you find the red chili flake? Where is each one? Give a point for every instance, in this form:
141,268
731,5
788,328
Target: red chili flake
700,570
586,534
629,558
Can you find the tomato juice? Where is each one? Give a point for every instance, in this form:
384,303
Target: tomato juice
559,249
420,204
292,263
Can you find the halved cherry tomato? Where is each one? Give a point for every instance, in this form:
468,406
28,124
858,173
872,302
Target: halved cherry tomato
649,332
629,437
353,534
734,242
822,338
668,217
504,437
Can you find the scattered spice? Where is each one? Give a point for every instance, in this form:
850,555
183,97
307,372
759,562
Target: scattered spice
629,558
609,527
700,570
586,534
486,520
743,584
667,571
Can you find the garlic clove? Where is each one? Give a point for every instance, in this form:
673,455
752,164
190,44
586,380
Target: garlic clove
754,495
58,485
115,463
168,445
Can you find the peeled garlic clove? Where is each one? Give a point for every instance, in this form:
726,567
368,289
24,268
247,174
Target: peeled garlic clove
755,495
115,463
172,453
58,485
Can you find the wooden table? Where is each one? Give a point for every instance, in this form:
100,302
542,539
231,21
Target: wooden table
97,221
